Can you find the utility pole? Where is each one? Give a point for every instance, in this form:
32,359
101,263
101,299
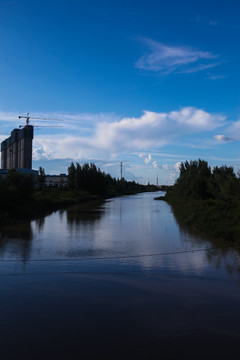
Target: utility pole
121,165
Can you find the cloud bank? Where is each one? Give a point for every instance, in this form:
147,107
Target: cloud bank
127,135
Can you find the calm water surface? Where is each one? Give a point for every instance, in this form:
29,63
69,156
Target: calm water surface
117,279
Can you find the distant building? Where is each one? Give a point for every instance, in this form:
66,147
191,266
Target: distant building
56,180
17,149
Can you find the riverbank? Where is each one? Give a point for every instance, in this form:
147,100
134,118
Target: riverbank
23,197
42,202
207,200
216,219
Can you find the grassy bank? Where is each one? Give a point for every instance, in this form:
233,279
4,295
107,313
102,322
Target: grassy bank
18,206
215,219
206,200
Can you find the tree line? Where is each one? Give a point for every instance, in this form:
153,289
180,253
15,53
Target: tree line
88,177
207,200
197,180
24,194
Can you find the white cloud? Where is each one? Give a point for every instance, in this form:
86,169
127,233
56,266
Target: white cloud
174,168
223,138
111,135
108,139
147,158
156,165
9,116
165,59
217,77
172,171
232,133
199,68
177,166
78,121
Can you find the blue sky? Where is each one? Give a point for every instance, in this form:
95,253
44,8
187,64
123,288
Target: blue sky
149,83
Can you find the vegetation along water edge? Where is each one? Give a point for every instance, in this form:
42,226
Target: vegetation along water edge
22,196
207,200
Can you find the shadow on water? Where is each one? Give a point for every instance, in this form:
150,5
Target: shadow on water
83,221
40,223
16,240
221,253
88,213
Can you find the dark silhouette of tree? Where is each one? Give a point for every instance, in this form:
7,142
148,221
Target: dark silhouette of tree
224,184
71,181
41,177
91,179
198,181
193,179
207,200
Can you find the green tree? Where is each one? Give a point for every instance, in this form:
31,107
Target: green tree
41,177
71,177
78,176
224,184
193,180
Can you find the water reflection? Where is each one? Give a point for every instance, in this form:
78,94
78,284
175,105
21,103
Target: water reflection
221,254
161,291
40,223
88,213
16,241
136,232
229,258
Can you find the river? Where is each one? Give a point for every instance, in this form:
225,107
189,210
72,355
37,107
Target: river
117,279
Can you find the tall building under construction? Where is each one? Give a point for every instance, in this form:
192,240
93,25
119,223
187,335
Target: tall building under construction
17,149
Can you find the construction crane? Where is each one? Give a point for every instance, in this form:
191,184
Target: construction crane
35,118
28,135
17,153
38,126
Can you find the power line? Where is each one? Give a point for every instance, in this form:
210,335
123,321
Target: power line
113,257
146,273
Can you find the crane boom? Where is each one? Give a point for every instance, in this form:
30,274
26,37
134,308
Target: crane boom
35,118
38,118
21,126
